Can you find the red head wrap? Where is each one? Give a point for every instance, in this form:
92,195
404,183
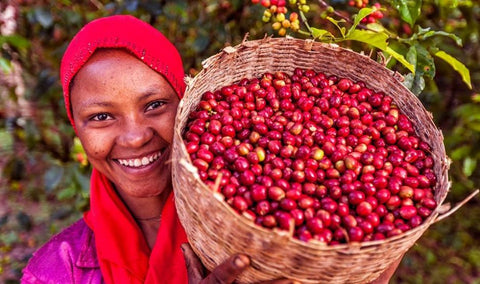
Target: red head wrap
127,32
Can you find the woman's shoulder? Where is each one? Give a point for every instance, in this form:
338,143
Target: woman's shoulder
66,258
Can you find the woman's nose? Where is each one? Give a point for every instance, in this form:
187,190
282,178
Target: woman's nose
135,135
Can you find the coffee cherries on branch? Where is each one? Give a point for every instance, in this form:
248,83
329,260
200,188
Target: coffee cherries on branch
278,14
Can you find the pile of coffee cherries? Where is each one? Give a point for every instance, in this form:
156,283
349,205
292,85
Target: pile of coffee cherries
321,157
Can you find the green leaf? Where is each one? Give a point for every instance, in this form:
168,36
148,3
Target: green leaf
457,65
409,10
5,65
425,65
52,178
460,152
376,27
6,140
419,57
83,180
358,17
474,125
17,41
414,83
411,55
468,112
469,166
67,193
428,34
320,33
378,40
337,24
400,59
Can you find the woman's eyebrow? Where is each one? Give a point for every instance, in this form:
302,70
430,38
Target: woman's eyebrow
154,90
85,104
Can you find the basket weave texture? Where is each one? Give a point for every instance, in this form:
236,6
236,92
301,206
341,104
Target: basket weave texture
216,231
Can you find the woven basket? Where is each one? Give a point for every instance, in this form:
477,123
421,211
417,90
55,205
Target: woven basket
216,231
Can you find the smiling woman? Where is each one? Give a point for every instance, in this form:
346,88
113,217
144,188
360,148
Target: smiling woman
122,82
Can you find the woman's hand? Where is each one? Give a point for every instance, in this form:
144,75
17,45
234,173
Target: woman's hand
225,273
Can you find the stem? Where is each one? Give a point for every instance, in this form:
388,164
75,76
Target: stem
305,21
304,33
325,5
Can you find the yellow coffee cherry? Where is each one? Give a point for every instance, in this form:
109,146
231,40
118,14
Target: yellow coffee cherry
280,17
295,26
305,8
286,24
266,19
267,13
282,32
276,25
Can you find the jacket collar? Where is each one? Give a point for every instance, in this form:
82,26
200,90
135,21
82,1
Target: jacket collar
87,257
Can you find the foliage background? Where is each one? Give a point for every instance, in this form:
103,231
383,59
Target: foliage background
44,174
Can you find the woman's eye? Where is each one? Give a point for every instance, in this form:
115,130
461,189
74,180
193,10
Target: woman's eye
100,117
154,105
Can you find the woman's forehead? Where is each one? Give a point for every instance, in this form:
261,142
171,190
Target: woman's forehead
111,70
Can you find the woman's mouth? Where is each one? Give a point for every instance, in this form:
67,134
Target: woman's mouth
140,161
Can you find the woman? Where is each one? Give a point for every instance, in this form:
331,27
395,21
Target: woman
122,81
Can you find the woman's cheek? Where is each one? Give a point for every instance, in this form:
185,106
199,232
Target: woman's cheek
96,145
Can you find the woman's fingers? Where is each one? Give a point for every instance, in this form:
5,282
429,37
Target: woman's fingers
195,268
229,270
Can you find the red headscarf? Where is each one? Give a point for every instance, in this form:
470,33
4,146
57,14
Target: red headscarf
122,250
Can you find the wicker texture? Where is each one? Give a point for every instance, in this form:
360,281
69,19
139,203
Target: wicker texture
216,231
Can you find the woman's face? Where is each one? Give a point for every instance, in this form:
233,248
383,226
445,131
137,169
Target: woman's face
124,113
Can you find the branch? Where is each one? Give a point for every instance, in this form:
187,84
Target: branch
325,5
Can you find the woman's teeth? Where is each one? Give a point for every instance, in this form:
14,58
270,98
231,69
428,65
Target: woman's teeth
139,162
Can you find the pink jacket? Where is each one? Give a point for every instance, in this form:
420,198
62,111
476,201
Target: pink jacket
69,257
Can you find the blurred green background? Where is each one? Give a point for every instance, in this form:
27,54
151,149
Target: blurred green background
44,174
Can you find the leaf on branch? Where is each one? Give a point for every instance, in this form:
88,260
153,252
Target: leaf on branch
409,10
337,24
460,152
457,65
5,65
376,27
358,18
426,33
320,33
400,59
424,63
469,165
415,83
52,178
378,40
